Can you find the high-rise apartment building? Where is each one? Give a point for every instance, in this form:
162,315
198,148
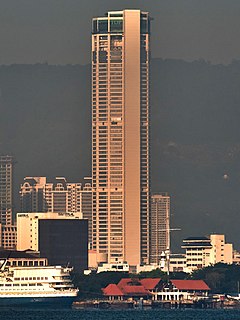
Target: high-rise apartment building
120,136
38,195
31,194
6,190
159,226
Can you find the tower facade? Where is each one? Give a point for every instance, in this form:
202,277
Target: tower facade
120,136
159,226
6,190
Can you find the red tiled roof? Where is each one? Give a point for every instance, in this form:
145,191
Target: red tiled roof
112,290
150,283
190,284
135,290
127,281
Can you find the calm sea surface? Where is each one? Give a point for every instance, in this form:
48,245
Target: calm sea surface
117,315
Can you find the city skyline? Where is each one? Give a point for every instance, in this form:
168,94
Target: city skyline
226,172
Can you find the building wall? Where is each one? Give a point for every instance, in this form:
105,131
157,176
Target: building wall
228,253
198,252
177,263
202,252
64,242
221,251
28,227
9,237
86,209
120,139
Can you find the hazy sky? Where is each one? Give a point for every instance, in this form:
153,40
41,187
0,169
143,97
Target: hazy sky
58,31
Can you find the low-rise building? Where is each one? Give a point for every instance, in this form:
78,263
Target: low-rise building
201,252
180,290
177,263
156,289
120,267
198,252
61,237
128,288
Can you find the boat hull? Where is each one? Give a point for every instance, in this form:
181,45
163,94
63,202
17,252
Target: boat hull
37,302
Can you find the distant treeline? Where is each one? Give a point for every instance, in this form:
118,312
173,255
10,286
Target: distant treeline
221,278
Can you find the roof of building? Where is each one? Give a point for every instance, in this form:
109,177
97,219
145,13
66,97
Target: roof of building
131,287
190,284
196,239
9,254
150,283
127,281
135,290
135,287
112,290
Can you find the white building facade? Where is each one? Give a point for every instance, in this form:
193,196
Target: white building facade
201,252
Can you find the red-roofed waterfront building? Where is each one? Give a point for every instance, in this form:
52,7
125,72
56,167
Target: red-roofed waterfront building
113,292
190,285
150,284
156,289
182,290
131,289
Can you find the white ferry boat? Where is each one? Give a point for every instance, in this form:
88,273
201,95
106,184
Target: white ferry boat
49,286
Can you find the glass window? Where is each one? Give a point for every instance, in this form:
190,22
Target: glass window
143,26
94,56
94,26
103,56
116,25
102,26
116,15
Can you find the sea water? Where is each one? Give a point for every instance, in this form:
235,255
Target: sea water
187,314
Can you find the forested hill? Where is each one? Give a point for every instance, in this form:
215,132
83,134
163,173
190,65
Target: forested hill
45,117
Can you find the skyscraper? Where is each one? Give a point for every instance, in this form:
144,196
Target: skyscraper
6,190
120,136
159,226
